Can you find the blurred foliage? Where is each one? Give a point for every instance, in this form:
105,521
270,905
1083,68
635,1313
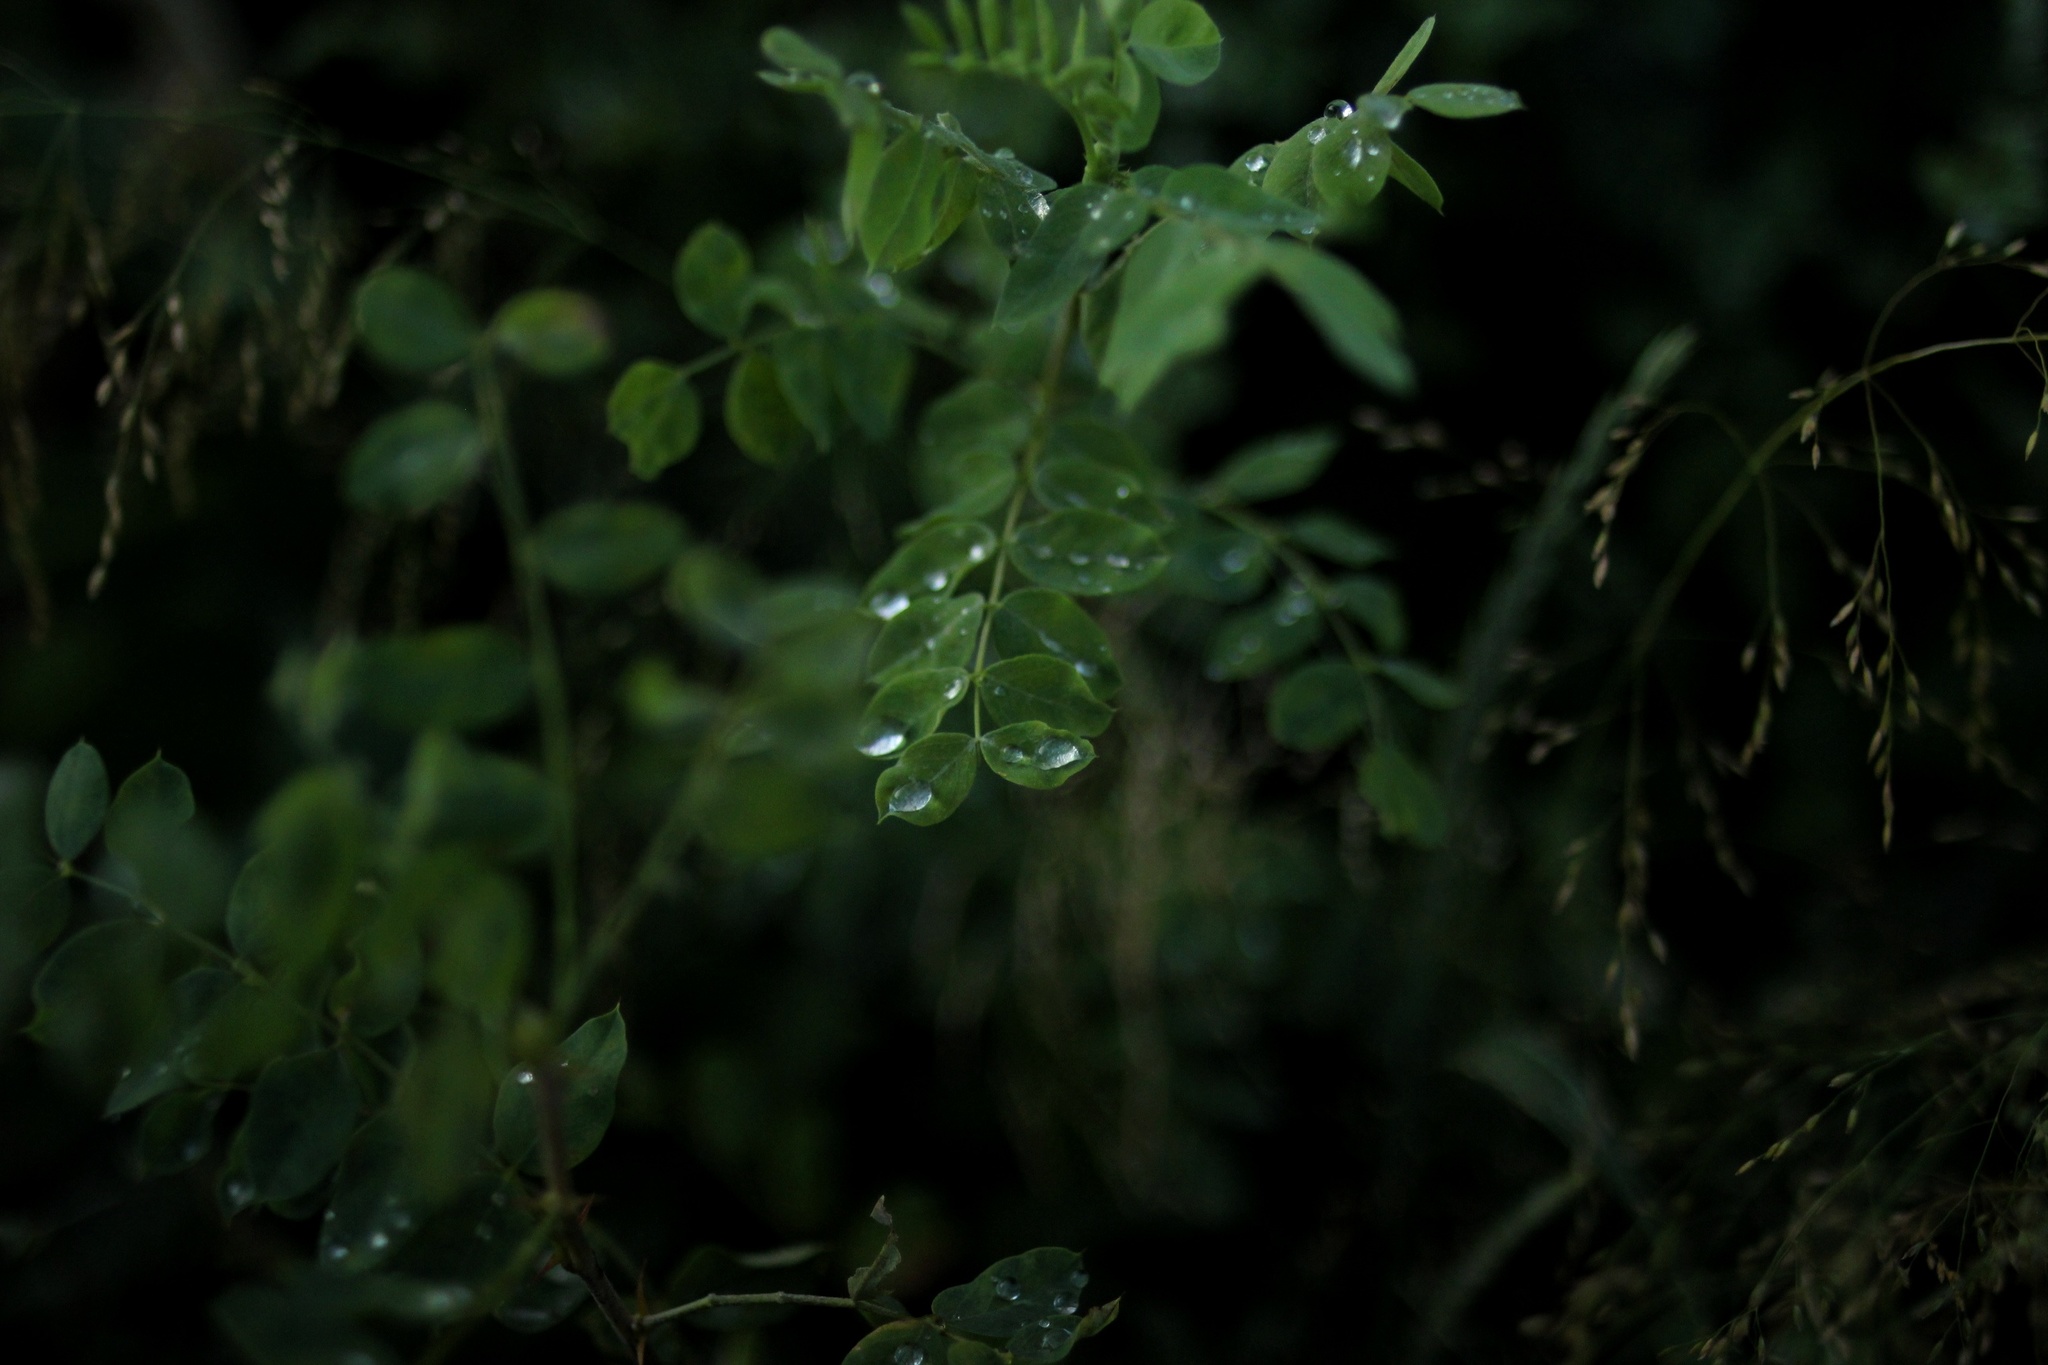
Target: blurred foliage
1671,984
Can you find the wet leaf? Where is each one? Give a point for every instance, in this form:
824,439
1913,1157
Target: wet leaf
1073,481
455,794
1218,563
1357,323
177,1132
1088,553
1373,603
376,1204
871,369
1086,223
76,803
1041,621
929,781
1453,99
915,1342
803,367
931,565
1350,163
1217,195
758,417
1318,706
1252,642
1034,754
1272,468
458,677
301,1112
1405,58
1041,687
412,459
655,411
1431,689
1408,173
595,548
590,1061
1410,806
1178,286
1338,540
558,333
1031,1303
712,274
408,320
1177,41
913,180
930,633
907,708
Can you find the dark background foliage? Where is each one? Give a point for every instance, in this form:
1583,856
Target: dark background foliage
1194,1019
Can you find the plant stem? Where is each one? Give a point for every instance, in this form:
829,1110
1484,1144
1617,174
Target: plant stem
551,692
775,1298
565,1212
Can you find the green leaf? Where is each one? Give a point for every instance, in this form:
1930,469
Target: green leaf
1374,604
301,1113
758,417
924,28
458,678
1431,689
588,1065
900,1343
1405,58
1408,173
712,274
929,781
1350,163
803,367
376,1204
458,795
1177,290
931,565
1272,468
1041,621
412,459
288,905
380,989
1088,553
1044,688
410,321
181,868
442,1104
1218,563
1034,754
967,439
1009,214
932,632
1029,1302
1072,481
474,921
1291,174
655,411
156,795
1410,806
1338,540
1317,706
97,996
907,708
871,369
1217,195
1460,100
913,182
76,802
1137,92
177,1132
595,548
786,49
1177,41
1085,225
1257,641
1355,319
554,332
244,1028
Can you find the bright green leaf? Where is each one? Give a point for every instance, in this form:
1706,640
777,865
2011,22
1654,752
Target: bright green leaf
913,181
1177,290
1034,754
1460,100
1085,225
1044,688
1355,319
554,332
712,273
929,781
907,708
595,548
1177,41
655,411
1272,468
1405,58
414,458
1216,195
410,321
1409,173
758,417
76,803
1088,553
931,632
1318,706
588,1067
931,565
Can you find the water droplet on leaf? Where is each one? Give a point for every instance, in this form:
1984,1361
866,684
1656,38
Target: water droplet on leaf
1007,1289
1338,109
909,797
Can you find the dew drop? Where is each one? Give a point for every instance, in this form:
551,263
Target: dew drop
1053,755
884,290
1041,552
1077,559
865,83
379,1240
1338,109
1038,204
1117,561
936,580
1354,155
1066,1303
327,1217
337,1253
956,689
886,740
1012,755
1317,132
1256,164
888,605
524,1078
1236,559
909,797
1079,1279
1007,1289
908,1355
977,552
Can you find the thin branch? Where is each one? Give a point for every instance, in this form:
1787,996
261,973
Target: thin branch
773,1299
566,1213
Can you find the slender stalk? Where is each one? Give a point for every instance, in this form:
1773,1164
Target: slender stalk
565,1210
550,690
772,1299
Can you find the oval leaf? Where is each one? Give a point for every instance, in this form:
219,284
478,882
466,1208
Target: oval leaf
301,1112
1272,468
375,1205
1257,641
1041,687
1085,224
908,708
1430,688
457,677
414,458
1339,540
605,547
929,633
1373,603
713,271
1177,41
76,802
1041,621
1034,754
1355,319
1410,806
1459,100
554,332
588,1062
1088,553
931,565
655,412
758,417
1318,706
410,321
1216,195
929,781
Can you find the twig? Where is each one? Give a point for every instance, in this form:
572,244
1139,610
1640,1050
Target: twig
772,1299
565,1210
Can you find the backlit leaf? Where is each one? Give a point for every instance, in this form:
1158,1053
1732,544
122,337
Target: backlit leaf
929,781
655,411
410,321
588,1064
414,458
